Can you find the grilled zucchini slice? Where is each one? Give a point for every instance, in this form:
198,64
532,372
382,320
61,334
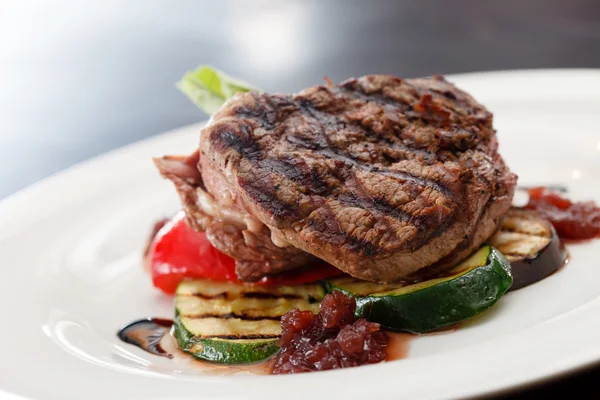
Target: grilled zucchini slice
528,240
465,291
233,323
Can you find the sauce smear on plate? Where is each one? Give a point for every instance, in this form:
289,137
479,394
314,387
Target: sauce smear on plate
398,345
147,334
153,336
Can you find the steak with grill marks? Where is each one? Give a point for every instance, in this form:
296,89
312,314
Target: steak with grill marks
382,177
228,227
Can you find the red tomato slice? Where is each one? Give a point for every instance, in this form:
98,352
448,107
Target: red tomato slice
178,252
572,220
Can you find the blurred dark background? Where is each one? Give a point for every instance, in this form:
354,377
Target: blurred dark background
78,78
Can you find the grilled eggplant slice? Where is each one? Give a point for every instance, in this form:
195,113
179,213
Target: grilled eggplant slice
530,243
232,323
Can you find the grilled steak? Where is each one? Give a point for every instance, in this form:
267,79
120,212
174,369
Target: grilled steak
228,228
379,176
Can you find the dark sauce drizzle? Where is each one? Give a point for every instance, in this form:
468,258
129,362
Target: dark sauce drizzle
146,334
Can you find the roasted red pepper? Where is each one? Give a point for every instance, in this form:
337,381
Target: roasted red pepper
178,252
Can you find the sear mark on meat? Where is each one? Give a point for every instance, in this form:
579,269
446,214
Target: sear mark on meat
381,177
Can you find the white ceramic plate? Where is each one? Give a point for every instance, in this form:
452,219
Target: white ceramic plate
71,274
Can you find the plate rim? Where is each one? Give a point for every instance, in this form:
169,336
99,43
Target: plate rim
567,369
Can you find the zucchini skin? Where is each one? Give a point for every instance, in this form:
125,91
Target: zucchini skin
418,308
223,351
443,304
230,323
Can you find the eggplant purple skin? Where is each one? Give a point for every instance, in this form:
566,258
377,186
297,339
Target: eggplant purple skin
547,261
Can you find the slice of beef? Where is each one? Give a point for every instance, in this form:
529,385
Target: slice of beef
378,176
231,230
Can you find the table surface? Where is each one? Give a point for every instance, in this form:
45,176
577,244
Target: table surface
80,78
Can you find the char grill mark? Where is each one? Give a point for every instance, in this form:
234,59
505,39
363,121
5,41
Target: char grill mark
225,136
296,171
359,198
233,337
353,90
304,143
262,191
243,317
406,152
378,176
348,161
322,145
266,295
424,111
420,111
267,111
325,221
329,225
332,152
248,295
